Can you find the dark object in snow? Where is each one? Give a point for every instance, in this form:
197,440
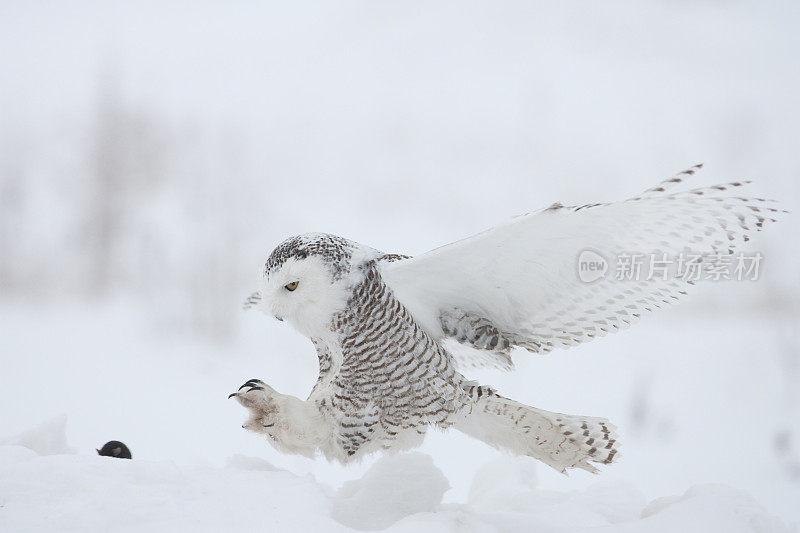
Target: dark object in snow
115,448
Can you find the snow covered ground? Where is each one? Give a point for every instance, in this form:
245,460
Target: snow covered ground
58,491
702,445
401,493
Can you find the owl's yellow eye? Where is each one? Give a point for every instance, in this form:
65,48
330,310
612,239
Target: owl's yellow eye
291,286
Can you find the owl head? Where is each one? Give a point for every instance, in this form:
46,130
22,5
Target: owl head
309,278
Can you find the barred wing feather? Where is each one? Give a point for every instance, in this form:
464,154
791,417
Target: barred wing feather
518,284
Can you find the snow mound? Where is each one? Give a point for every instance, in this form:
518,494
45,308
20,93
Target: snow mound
395,487
503,477
243,462
707,508
508,485
48,438
93,493
615,508
40,492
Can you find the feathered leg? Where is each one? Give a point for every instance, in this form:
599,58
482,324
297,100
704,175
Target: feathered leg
558,440
292,425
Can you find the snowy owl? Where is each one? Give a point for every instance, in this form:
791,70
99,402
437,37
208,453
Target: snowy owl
394,333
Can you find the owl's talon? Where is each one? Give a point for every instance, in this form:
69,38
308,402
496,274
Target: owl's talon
251,383
259,399
253,394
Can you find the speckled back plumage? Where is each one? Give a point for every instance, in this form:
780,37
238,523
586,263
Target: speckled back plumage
394,379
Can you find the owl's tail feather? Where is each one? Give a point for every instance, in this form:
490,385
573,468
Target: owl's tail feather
558,440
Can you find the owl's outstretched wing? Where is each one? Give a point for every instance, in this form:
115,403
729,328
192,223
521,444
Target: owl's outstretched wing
531,282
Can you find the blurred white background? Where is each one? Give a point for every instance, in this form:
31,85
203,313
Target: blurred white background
152,154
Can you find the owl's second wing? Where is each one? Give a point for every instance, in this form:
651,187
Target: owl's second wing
531,282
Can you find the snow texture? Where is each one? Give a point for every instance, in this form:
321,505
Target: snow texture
395,487
48,438
40,490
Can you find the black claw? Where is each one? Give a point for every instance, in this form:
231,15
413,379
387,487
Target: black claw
268,425
233,394
254,388
251,383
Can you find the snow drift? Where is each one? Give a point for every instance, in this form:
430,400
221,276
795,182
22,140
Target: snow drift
42,487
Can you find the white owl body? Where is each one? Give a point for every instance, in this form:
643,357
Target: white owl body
380,322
